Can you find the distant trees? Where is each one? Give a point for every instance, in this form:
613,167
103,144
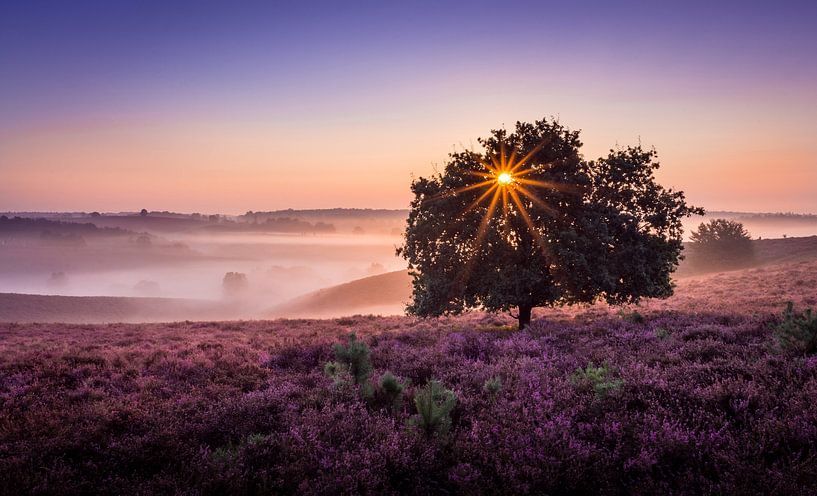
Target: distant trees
530,223
143,212
721,244
234,283
143,241
64,239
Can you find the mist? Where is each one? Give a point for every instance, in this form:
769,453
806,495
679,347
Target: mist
328,263
73,257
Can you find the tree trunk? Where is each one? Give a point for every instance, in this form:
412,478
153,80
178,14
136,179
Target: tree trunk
524,316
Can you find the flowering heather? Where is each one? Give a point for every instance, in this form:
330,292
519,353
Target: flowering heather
701,400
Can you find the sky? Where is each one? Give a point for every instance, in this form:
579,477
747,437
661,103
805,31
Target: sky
234,106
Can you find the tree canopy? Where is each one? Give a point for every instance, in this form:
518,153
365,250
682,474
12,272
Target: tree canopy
528,222
721,244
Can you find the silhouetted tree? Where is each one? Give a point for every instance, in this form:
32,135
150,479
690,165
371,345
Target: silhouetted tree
562,230
234,283
143,212
721,244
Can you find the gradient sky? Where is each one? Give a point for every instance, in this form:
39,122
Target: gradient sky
235,106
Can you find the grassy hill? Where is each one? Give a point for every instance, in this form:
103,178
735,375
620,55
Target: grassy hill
384,293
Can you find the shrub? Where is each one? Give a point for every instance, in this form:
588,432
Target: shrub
797,331
390,390
596,379
434,404
492,386
355,355
337,371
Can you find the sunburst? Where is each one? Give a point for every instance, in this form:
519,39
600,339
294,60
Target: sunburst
505,183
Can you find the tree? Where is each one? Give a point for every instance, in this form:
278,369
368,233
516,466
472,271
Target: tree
234,283
143,212
528,222
721,243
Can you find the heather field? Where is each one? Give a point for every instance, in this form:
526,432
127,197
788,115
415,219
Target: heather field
690,395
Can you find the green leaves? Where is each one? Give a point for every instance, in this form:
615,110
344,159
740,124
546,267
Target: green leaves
597,380
492,386
355,357
434,404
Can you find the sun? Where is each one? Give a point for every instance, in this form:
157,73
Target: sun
509,190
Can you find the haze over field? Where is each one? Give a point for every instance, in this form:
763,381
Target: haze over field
226,110
186,257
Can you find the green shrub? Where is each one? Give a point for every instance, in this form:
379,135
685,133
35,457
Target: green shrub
596,379
356,356
390,390
434,404
797,331
337,371
662,333
492,386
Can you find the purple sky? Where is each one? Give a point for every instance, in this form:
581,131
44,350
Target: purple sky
218,107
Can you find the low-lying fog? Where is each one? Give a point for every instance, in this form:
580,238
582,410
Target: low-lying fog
275,267
187,257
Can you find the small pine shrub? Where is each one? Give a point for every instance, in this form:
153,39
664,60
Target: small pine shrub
662,333
337,371
492,386
596,379
356,356
390,390
797,332
434,404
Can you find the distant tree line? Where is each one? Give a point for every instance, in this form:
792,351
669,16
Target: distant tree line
281,225
364,213
27,226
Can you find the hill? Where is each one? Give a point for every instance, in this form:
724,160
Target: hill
381,294
387,294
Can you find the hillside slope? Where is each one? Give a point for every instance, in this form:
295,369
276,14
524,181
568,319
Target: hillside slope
387,294
380,294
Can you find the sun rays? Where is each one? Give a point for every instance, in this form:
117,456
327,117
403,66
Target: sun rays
505,183
506,191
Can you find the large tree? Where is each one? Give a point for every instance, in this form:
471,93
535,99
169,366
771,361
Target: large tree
528,222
